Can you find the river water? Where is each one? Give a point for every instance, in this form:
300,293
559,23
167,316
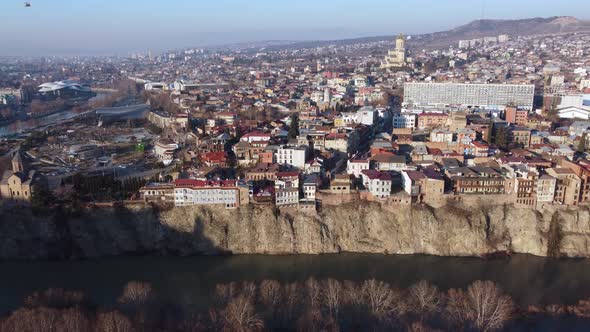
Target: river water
191,280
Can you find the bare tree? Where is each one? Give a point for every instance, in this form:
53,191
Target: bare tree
332,295
313,292
379,297
490,308
249,289
240,315
425,298
351,293
457,308
313,320
225,292
291,299
74,320
113,321
32,320
270,292
136,293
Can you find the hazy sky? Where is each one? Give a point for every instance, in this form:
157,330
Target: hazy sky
120,26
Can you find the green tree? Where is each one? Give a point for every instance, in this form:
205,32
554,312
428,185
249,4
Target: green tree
294,127
501,137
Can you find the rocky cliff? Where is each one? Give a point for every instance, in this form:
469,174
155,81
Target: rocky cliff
355,227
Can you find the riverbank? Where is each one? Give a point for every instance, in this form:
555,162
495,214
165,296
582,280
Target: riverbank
455,230
546,292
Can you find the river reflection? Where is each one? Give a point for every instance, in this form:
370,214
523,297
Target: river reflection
191,280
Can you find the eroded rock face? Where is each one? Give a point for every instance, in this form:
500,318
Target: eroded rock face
355,227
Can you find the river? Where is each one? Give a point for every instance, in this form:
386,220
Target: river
191,280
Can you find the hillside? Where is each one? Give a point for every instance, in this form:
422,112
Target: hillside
475,29
354,227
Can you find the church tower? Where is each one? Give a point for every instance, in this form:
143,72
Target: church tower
17,163
400,42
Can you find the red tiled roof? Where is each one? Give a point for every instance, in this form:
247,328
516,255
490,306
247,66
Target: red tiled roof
192,183
376,175
287,174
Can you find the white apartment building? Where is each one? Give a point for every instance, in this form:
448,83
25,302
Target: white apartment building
464,94
441,135
546,186
378,183
196,192
356,167
293,156
309,190
404,120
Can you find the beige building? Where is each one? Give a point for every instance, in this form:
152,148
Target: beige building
567,190
340,184
546,189
396,58
17,184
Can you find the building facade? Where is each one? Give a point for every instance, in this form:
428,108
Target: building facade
483,95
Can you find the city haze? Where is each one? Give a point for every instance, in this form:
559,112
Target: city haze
94,27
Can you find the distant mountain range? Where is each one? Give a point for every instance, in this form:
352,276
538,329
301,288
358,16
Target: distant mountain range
524,27
475,29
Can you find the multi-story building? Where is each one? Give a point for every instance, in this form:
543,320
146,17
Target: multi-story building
157,192
483,95
404,120
340,184
479,149
378,183
310,185
582,169
341,142
520,135
356,166
525,184
287,189
567,189
425,186
432,120
262,172
477,180
546,189
196,192
516,116
389,162
441,135
292,156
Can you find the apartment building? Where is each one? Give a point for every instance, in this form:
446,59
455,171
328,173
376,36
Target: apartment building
404,120
477,180
377,183
430,120
196,192
292,156
567,188
463,94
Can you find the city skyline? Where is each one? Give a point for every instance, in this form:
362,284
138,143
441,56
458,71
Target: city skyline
106,27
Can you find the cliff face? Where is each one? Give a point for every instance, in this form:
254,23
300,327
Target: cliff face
355,227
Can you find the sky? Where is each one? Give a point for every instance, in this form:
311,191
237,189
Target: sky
108,27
